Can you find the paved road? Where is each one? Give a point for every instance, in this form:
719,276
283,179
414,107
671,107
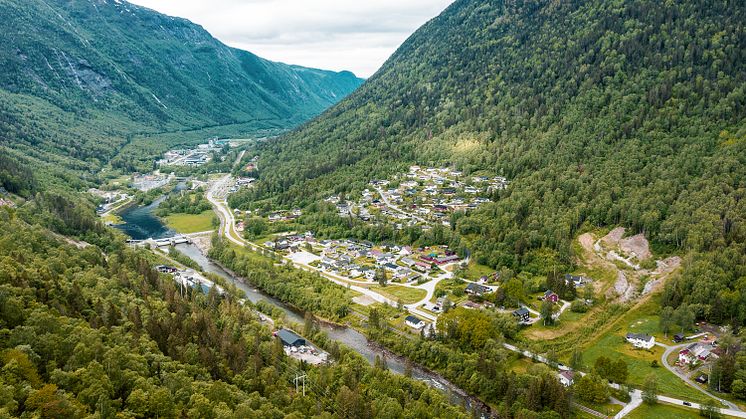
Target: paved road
685,378
227,229
634,403
397,209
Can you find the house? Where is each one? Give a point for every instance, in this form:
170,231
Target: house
696,352
166,269
522,314
576,280
422,266
550,296
408,261
471,305
477,289
289,338
566,378
414,322
639,340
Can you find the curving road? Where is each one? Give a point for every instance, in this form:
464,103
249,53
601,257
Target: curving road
216,195
636,395
684,377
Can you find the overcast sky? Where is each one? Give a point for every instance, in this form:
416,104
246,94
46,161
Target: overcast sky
355,35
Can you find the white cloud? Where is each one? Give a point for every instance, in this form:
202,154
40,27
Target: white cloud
356,35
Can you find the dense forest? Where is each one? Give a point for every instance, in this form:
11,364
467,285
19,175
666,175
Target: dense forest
600,113
91,332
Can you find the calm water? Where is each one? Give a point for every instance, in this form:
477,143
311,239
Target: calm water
142,224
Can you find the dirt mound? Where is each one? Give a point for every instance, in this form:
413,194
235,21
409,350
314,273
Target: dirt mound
612,239
636,246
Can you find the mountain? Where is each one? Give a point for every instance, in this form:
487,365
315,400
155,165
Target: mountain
81,78
601,113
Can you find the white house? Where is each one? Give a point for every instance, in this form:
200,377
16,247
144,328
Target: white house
566,378
641,341
414,322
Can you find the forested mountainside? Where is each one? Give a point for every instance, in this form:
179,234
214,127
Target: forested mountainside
601,113
81,79
86,332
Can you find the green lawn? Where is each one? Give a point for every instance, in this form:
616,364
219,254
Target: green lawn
662,411
406,294
474,271
190,223
612,345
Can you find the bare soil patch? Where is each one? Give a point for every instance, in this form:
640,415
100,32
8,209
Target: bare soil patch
636,246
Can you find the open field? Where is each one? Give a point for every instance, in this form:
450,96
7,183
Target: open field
611,344
394,292
190,223
662,411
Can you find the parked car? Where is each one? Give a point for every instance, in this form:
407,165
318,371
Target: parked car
687,404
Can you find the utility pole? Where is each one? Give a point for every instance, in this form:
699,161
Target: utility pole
302,378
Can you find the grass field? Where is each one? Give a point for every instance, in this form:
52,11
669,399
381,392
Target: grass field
190,223
662,411
474,271
612,345
394,292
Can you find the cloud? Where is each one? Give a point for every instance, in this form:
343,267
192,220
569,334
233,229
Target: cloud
330,34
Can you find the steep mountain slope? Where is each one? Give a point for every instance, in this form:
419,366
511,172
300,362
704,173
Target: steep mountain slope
113,69
606,113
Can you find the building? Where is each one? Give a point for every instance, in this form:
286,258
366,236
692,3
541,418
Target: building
477,289
696,352
522,314
576,280
549,295
640,341
289,338
414,322
566,378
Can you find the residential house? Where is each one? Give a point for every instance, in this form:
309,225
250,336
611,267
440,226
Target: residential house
566,378
414,322
696,352
641,341
477,289
576,280
550,296
522,314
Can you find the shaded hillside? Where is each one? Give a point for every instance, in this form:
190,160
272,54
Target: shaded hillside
607,113
80,77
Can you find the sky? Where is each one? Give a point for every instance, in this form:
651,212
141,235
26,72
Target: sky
355,35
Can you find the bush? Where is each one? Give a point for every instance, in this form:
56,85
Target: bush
579,306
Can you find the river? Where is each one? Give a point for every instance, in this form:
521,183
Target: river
141,223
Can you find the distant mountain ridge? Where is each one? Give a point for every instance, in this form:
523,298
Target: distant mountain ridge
110,59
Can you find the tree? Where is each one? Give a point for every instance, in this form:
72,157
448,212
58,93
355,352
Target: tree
382,277
666,321
684,317
650,389
709,410
547,312
738,388
576,359
619,371
592,388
